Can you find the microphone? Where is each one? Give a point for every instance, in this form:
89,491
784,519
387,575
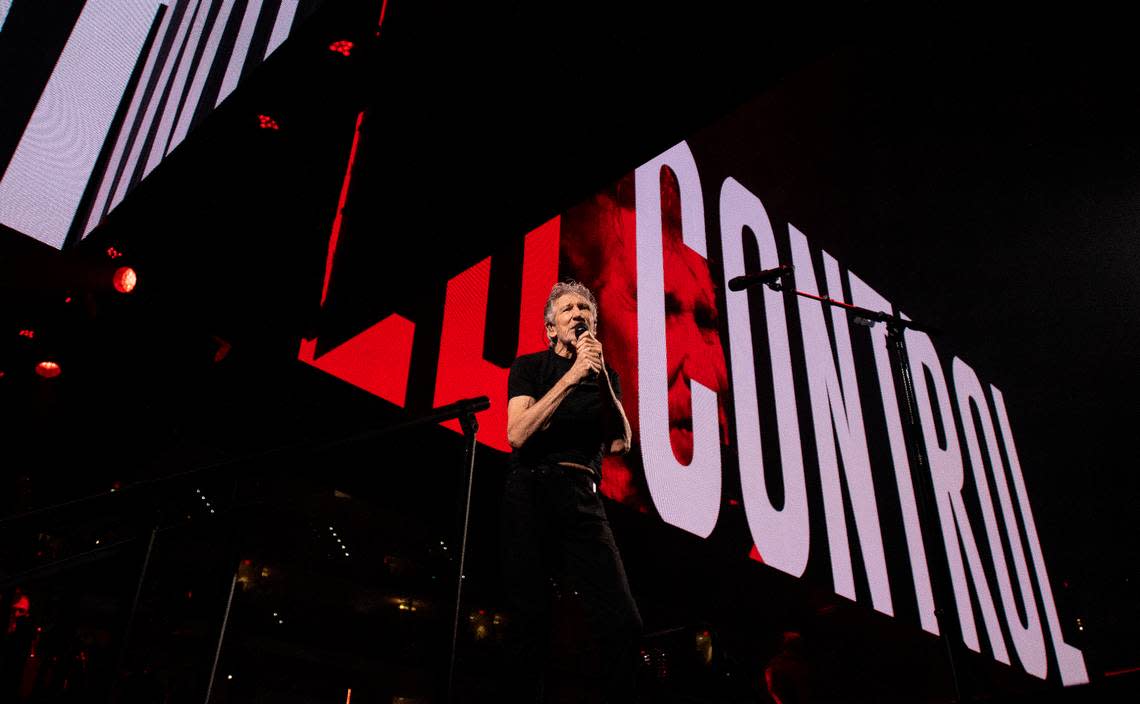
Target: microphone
767,276
580,330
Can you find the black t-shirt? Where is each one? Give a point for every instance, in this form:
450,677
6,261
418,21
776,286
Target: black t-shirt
575,433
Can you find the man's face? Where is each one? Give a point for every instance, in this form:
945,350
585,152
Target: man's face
692,341
570,310
599,242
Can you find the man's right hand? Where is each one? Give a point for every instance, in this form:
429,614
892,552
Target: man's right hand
588,358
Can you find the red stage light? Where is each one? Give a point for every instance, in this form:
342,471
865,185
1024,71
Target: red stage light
28,333
342,47
222,350
266,122
48,369
113,253
125,279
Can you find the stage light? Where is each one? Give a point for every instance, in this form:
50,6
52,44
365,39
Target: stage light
703,642
28,333
266,122
125,279
342,47
223,348
48,369
113,253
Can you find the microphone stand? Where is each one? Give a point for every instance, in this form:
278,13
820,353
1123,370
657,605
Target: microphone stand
470,427
464,410
920,461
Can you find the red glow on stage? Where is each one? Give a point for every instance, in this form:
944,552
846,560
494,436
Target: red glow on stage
48,369
335,236
28,333
463,372
125,279
20,608
342,47
223,349
266,122
113,253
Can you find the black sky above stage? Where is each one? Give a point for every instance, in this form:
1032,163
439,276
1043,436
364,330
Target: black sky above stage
985,182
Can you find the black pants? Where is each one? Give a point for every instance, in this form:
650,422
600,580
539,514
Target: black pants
555,529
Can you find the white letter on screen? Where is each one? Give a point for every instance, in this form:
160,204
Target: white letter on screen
241,48
198,82
282,25
946,476
154,105
864,296
40,191
837,414
1070,660
117,154
686,496
782,536
1028,640
161,144
5,5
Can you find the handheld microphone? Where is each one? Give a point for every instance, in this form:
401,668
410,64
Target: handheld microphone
580,330
767,276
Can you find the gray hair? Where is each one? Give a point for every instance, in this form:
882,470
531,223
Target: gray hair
561,289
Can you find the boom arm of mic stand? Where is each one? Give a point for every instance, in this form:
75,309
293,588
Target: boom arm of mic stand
894,321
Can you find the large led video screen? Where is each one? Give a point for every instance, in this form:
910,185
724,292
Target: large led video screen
757,400
96,94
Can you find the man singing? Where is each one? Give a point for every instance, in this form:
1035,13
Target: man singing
564,412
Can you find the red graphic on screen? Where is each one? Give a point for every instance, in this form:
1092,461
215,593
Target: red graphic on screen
599,248
377,360
754,554
334,237
463,372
